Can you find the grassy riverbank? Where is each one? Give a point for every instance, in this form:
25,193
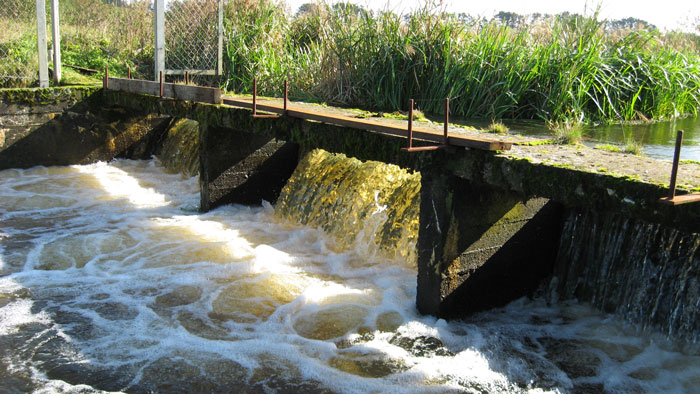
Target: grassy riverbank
563,69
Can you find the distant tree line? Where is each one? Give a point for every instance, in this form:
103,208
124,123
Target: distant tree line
510,19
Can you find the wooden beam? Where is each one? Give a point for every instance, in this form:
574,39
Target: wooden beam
682,199
370,125
192,72
170,90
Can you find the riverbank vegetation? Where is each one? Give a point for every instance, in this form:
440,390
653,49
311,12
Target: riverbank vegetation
564,69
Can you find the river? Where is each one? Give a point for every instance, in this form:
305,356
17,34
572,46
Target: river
111,281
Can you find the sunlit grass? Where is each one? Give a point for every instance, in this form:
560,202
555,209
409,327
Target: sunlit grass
567,68
567,133
497,127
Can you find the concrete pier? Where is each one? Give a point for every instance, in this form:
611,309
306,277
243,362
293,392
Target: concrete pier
479,247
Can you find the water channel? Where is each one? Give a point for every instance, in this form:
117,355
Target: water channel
111,281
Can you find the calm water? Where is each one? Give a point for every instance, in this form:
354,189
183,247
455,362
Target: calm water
658,139
110,281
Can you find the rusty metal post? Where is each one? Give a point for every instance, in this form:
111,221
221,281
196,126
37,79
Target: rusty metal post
286,95
128,72
676,160
187,77
106,77
255,96
161,84
410,124
447,119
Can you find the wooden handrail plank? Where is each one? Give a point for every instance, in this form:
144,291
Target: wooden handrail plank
364,124
170,90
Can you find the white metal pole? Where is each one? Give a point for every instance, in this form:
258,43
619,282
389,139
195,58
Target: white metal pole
55,25
220,46
41,44
159,27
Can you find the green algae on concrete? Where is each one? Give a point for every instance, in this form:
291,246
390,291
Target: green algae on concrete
46,96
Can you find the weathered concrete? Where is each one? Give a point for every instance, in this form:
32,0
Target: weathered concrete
67,126
521,171
243,168
480,248
487,233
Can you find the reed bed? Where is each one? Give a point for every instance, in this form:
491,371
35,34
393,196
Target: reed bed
568,68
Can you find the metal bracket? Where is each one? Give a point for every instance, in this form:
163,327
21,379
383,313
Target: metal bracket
445,141
255,99
672,199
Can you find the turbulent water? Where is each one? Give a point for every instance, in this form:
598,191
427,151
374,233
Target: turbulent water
110,281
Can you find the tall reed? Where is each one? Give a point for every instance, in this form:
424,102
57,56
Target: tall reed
568,68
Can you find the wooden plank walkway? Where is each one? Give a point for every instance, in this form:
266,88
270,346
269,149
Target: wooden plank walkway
455,139
214,96
170,90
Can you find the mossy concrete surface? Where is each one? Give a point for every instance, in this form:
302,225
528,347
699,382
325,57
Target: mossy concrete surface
63,126
630,185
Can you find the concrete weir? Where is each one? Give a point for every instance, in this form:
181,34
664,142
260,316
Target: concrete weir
493,226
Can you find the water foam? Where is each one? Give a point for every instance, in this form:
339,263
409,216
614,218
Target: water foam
138,294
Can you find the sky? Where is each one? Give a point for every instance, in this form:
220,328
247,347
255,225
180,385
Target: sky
665,14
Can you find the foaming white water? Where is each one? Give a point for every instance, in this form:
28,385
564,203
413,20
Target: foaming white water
112,281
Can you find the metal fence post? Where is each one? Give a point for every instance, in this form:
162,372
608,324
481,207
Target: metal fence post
159,30
41,44
55,26
220,46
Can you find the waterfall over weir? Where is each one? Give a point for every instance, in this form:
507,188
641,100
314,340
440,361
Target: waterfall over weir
644,272
372,203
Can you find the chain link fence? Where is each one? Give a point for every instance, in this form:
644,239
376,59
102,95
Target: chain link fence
192,37
18,47
114,33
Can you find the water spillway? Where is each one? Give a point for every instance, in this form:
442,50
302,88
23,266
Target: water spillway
642,271
371,203
111,278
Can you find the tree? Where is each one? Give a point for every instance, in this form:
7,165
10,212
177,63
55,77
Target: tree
510,19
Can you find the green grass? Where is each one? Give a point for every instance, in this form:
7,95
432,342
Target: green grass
94,35
608,147
567,134
497,127
631,147
568,68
